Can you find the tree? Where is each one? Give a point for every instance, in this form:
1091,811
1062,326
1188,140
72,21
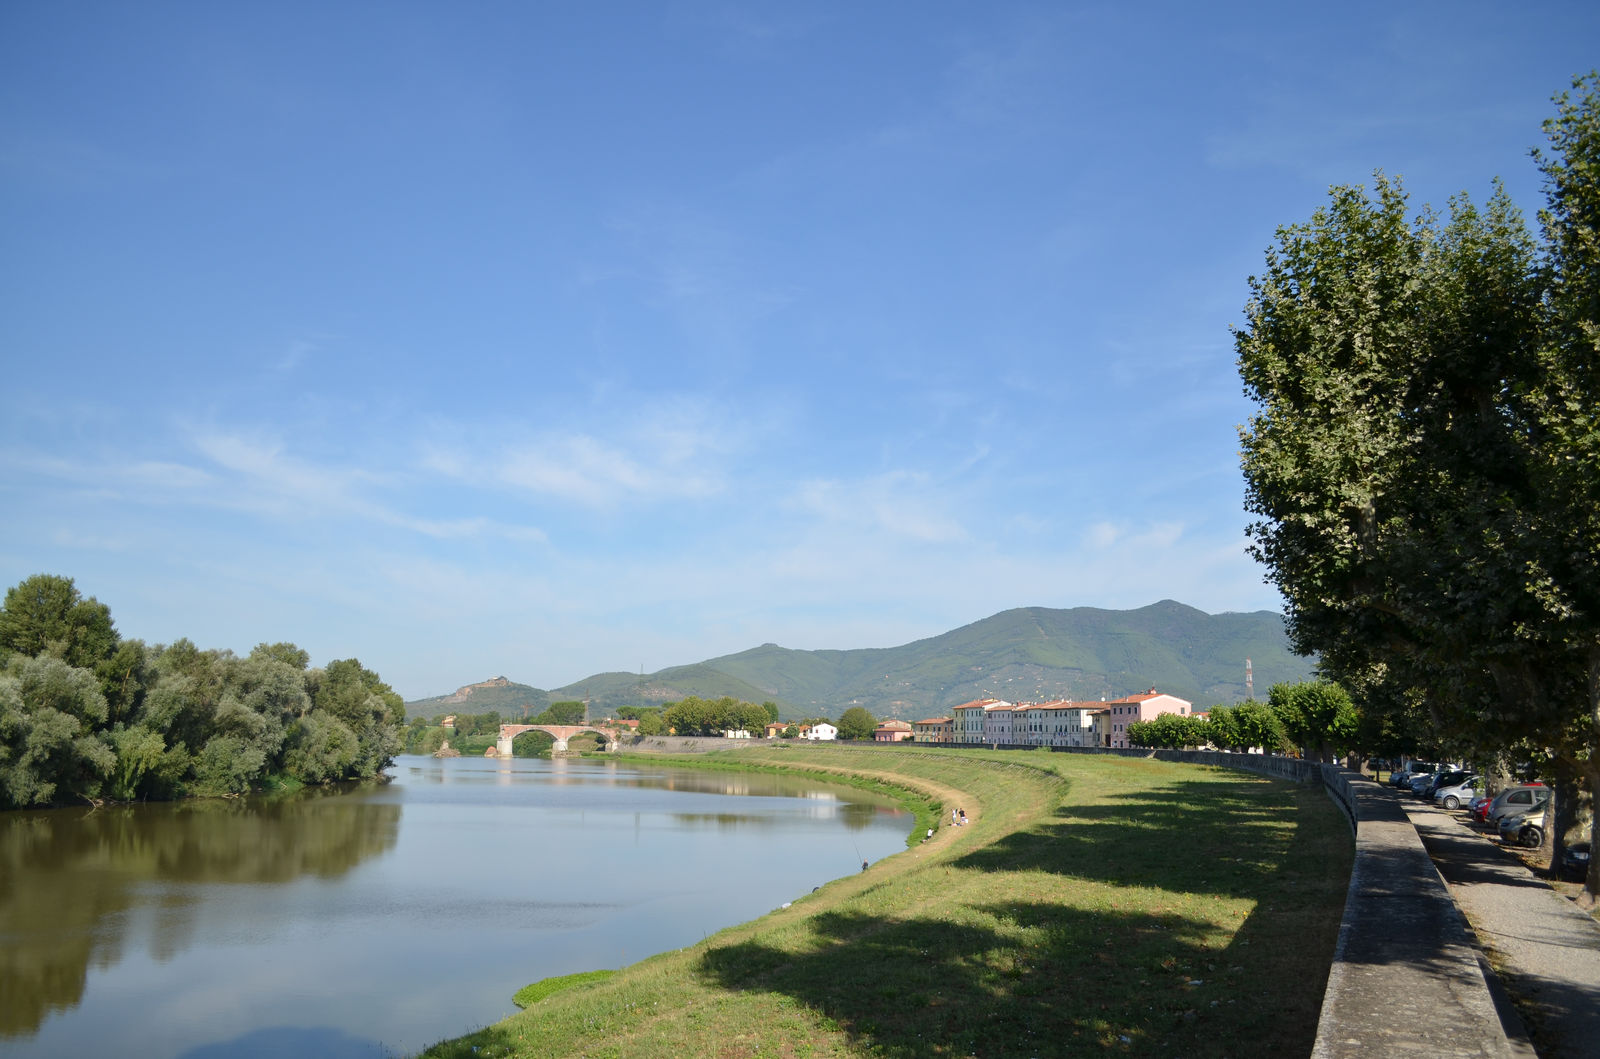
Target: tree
1425,458
1171,731
50,750
562,713
1317,716
857,723
47,614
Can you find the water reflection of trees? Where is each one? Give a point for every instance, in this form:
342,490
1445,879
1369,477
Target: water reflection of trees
69,879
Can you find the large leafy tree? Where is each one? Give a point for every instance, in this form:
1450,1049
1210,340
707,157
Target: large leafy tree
1317,716
1425,457
47,614
856,723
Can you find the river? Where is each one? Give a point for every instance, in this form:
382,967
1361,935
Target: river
373,923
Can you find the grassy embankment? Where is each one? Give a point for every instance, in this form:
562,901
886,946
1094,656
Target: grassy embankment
1094,903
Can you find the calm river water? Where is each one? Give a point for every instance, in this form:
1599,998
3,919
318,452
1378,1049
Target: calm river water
377,922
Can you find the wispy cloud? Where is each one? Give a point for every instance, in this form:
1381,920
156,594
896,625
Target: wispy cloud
899,504
665,453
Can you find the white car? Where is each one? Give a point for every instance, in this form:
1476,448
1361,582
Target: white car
1458,794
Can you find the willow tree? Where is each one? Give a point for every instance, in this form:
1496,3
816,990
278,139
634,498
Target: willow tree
1424,458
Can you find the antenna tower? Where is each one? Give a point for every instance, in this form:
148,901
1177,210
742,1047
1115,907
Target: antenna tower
1249,681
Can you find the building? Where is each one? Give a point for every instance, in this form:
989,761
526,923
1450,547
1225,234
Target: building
998,724
1100,727
1055,723
967,721
1143,707
775,729
820,732
932,730
891,732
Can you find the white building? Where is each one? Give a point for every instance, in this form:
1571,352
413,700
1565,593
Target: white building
820,731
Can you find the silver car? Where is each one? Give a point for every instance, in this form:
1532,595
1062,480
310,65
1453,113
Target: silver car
1454,796
1517,800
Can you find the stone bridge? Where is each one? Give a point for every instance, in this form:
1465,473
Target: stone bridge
559,732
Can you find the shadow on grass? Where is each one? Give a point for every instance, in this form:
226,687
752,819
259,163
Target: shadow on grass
1046,980
1189,837
1043,977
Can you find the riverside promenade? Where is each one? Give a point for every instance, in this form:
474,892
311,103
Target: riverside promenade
1449,946
1542,947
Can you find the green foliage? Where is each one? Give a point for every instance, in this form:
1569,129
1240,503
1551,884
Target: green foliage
50,750
856,723
47,615
1317,716
1425,458
1251,725
696,716
561,713
87,715
1170,731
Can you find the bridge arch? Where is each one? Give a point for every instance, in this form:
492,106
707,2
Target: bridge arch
559,732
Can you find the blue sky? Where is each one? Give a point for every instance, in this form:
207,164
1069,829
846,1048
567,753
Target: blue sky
548,339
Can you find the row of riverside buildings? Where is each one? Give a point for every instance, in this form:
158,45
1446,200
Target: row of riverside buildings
994,722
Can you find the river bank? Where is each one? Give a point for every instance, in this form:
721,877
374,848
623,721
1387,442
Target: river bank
1092,902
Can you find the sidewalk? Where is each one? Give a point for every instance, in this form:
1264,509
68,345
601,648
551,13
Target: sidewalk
1544,949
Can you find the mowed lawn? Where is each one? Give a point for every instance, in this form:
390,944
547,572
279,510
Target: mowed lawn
1094,904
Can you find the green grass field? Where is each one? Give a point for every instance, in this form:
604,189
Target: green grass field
1094,904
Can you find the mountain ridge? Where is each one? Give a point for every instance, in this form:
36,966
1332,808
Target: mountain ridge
1025,654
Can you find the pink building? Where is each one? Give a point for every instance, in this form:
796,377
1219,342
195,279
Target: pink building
1144,707
891,732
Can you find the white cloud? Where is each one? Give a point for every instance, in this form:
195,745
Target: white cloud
661,453
899,504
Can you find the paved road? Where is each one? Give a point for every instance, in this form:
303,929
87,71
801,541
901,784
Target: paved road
1546,950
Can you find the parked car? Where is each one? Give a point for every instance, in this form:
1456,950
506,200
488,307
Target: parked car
1517,799
1445,778
1574,862
1403,776
1480,806
1454,795
1523,829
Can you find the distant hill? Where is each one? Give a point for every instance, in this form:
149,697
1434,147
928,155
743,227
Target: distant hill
507,697
1030,654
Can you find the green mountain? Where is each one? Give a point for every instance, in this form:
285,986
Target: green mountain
498,695
1031,654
